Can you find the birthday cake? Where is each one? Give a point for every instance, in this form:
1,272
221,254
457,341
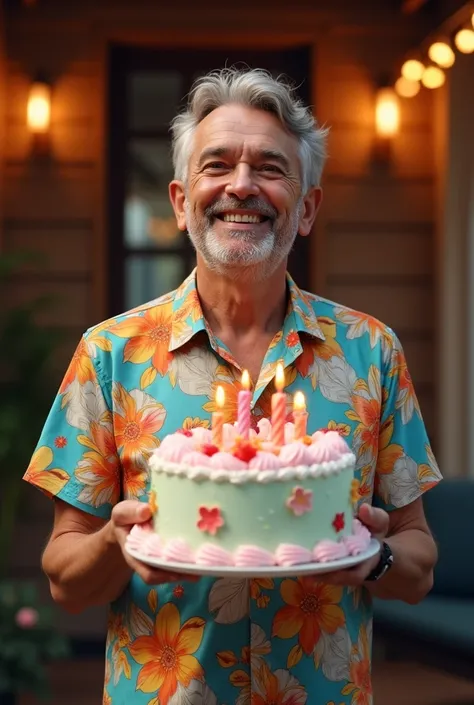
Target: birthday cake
251,501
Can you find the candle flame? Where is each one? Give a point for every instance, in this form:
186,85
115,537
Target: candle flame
279,378
299,403
220,397
245,380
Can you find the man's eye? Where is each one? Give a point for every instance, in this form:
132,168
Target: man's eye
216,165
271,167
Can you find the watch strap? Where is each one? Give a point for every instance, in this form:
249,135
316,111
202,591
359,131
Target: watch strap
384,564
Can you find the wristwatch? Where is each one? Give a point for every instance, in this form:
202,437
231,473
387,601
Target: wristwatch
384,564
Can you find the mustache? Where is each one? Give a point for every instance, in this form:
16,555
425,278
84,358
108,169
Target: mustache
252,203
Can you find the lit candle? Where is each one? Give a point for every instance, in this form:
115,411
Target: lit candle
218,418
279,408
243,409
300,416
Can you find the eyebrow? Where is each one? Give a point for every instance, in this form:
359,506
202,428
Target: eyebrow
264,154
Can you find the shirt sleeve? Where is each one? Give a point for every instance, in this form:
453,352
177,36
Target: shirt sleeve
76,458
406,466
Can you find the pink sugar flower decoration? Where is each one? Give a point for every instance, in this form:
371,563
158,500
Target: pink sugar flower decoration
210,520
26,617
300,501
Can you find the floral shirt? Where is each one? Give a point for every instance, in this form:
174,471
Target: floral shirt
142,375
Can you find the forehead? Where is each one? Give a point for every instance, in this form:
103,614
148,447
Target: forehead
239,128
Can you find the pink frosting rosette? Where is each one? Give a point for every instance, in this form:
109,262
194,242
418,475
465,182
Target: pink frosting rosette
294,454
359,540
177,551
327,550
264,461
288,554
253,556
226,461
211,555
196,459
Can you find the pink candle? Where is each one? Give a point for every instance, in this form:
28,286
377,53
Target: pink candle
279,408
218,418
300,416
243,408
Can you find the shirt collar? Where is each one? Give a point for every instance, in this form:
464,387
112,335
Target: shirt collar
188,318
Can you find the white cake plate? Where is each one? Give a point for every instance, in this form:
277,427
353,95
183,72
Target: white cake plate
272,571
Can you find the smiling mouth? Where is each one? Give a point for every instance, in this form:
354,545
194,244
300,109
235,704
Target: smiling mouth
253,218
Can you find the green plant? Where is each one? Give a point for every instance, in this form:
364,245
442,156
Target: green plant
28,638
26,392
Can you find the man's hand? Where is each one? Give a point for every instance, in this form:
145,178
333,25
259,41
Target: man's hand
124,515
377,522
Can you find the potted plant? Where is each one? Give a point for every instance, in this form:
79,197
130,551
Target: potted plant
28,638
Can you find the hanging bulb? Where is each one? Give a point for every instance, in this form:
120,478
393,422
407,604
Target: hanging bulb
406,88
412,70
442,54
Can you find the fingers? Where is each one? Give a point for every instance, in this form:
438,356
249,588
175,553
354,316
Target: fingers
351,577
375,519
156,576
130,512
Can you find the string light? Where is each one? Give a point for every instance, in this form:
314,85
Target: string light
406,88
433,77
442,54
412,70
464,41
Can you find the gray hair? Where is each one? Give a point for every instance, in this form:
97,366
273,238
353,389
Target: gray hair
254,88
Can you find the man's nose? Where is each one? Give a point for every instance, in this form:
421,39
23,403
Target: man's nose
242,182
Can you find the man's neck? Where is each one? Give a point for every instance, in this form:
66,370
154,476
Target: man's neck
242,306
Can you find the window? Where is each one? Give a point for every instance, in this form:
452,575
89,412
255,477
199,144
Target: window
148,255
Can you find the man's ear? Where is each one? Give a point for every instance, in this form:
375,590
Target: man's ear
311,203
177,194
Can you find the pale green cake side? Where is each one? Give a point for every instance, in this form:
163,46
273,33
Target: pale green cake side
254,513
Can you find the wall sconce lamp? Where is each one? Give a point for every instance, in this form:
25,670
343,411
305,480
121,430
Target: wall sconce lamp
387,121
38,114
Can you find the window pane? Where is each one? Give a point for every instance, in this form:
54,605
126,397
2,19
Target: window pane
149,217
153,99
146,278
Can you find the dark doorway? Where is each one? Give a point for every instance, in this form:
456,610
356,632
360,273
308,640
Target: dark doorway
148,256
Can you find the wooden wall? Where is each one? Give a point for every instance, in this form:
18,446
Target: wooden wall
373,245
378,221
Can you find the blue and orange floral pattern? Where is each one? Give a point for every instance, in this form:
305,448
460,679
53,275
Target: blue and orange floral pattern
142,375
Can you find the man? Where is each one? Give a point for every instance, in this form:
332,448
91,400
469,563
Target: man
248,160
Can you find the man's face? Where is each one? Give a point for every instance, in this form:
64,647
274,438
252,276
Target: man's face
242,205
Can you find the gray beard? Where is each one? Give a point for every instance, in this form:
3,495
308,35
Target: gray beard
257,261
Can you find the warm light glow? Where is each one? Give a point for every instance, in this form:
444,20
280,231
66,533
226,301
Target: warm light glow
442,54
220,397
245,380
412,70
433,77
406,88
472,19
299,402
279,378
464,41
39,107
387,115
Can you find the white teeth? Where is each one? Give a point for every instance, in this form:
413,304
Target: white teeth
237,218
